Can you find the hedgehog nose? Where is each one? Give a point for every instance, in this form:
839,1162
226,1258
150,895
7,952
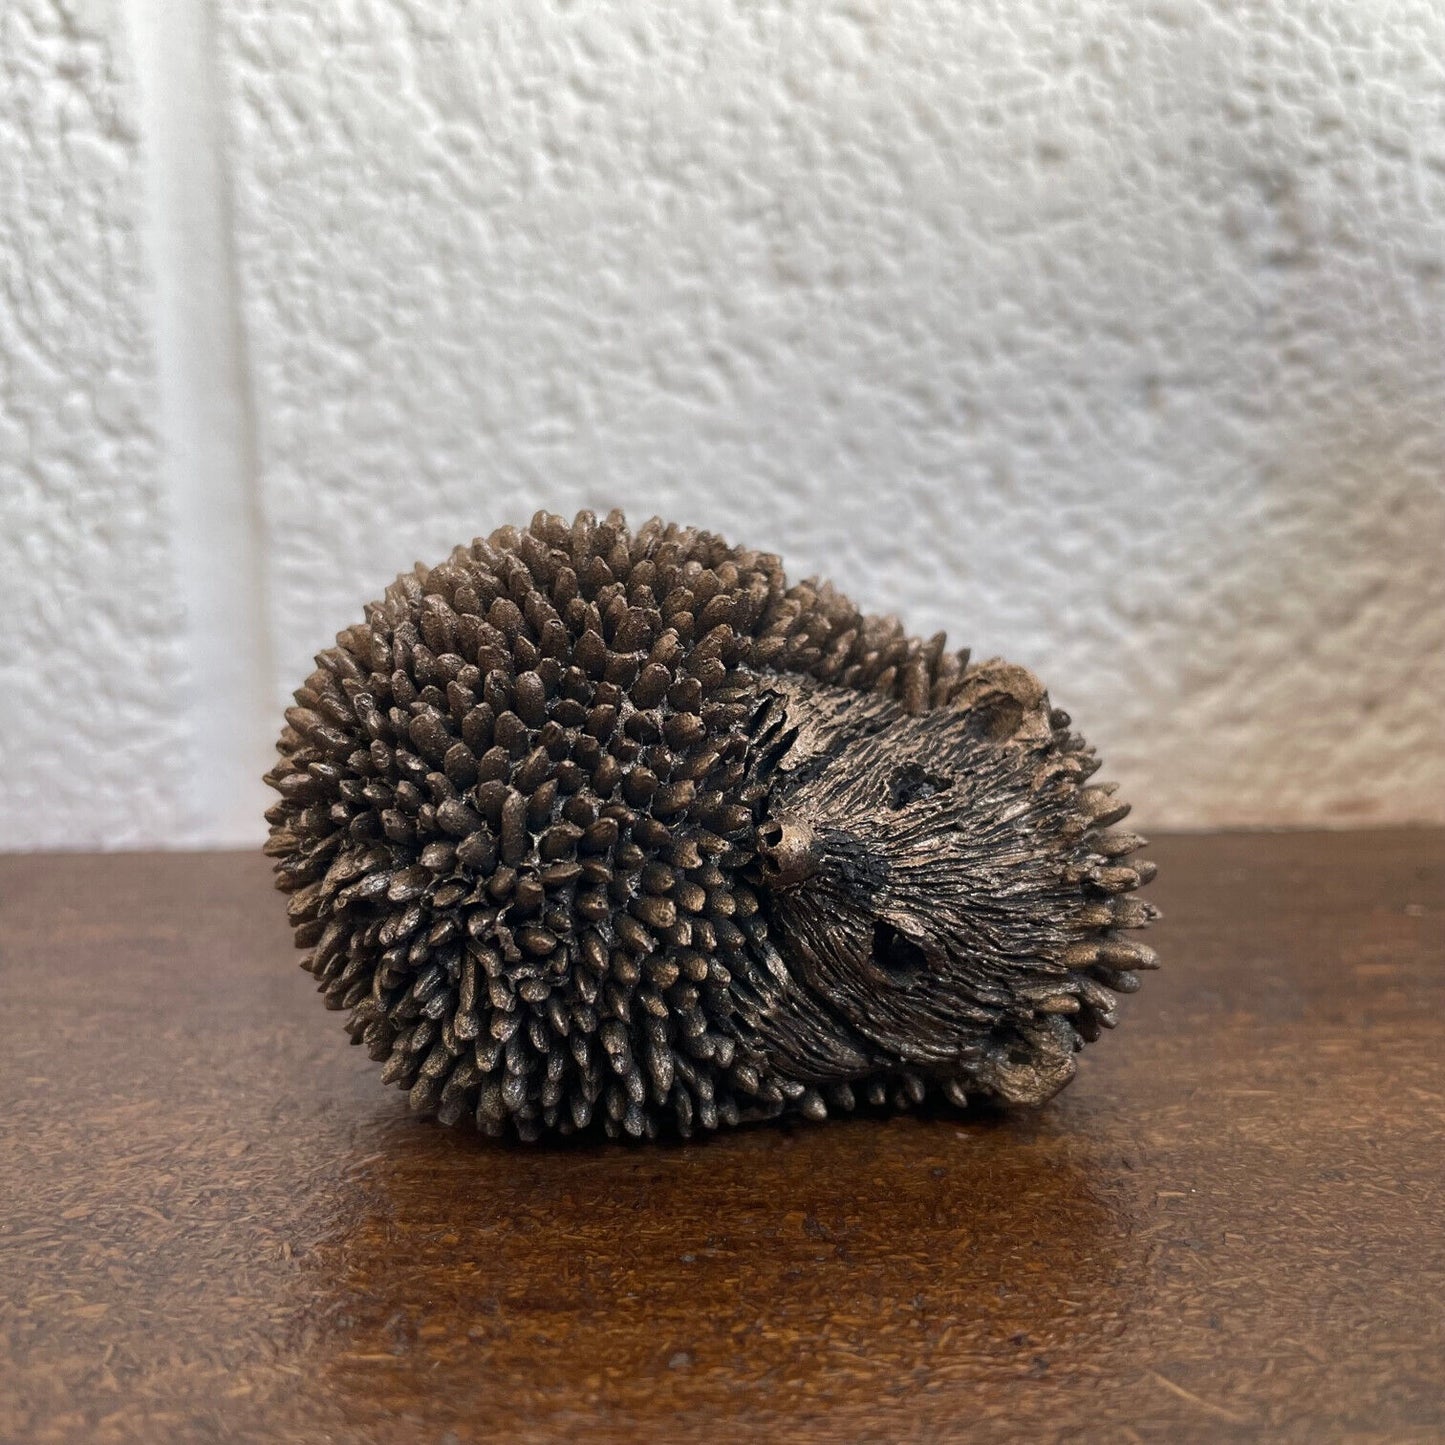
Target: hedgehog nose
789,850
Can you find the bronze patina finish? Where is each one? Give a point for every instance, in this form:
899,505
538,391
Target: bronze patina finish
591,826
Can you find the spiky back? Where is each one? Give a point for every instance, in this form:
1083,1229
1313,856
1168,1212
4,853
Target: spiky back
514,807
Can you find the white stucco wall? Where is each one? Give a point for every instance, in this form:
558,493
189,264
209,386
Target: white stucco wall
1109,337
92,736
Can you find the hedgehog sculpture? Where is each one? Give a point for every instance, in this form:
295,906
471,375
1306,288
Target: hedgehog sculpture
592,826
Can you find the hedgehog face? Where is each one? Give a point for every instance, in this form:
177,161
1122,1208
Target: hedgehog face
915,870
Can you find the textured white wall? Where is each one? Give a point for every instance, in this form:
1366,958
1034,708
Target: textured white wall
1109,337
92,736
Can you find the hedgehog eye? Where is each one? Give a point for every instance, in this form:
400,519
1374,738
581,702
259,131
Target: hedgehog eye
913,781
897,954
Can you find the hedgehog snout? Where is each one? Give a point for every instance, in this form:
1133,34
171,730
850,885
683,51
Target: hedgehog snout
788,847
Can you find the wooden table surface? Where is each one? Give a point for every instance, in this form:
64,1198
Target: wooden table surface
217,1224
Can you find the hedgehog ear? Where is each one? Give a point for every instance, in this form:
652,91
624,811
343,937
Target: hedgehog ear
1001,702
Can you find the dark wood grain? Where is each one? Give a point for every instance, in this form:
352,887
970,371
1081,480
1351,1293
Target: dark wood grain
218,1225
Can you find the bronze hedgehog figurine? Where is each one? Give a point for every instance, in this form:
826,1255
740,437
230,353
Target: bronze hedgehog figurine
592,825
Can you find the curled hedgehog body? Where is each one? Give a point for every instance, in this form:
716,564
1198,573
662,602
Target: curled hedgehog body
592,826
